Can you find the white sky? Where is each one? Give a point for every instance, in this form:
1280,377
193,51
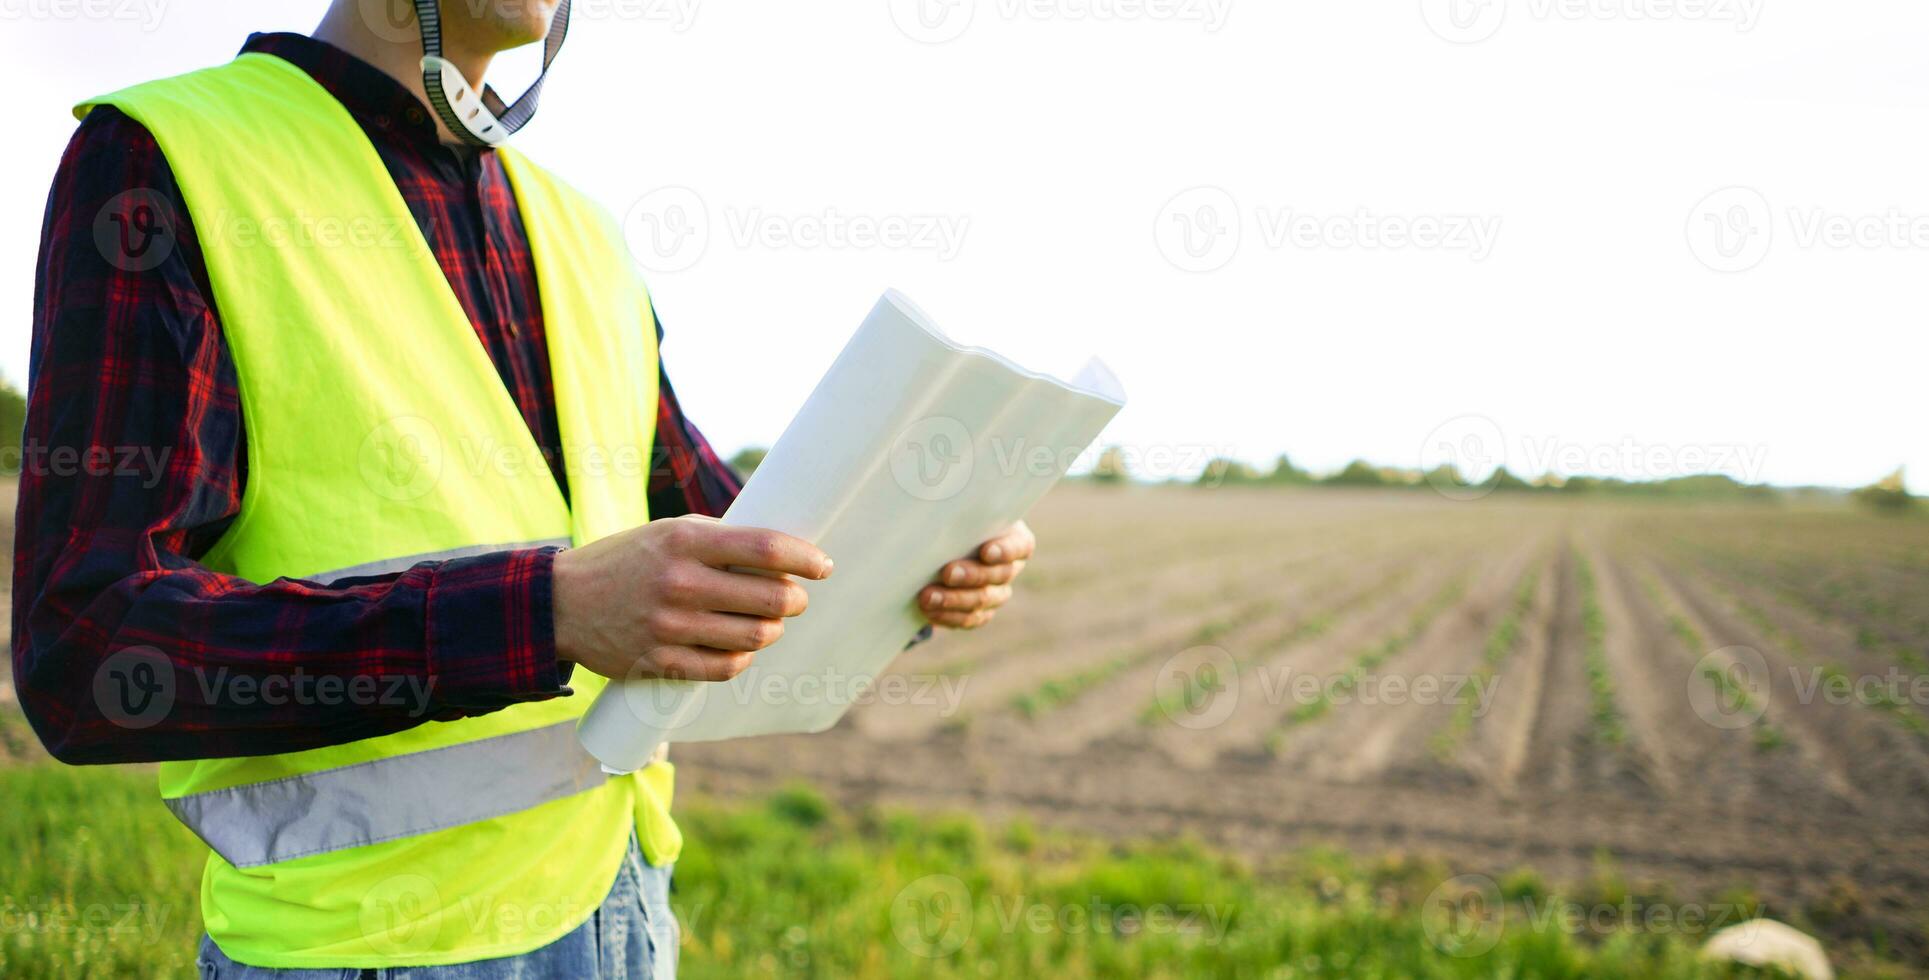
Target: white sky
1580,138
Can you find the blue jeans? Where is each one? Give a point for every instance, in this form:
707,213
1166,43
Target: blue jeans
632,936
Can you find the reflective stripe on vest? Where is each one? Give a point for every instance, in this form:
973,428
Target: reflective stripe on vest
380,436
389,566
399,796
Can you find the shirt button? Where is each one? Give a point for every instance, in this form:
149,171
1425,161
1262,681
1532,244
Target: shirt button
415,116
381,122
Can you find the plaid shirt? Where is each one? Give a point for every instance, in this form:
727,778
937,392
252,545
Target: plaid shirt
135,464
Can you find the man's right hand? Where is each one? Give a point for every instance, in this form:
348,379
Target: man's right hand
660,600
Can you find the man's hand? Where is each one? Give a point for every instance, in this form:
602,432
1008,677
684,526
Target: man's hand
660,601
968,592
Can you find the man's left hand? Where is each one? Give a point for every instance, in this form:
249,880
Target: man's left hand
967,593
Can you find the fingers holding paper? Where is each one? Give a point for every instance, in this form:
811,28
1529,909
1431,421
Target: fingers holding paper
686,598
967,593
1016,545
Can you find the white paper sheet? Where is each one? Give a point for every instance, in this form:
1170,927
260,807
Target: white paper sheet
911,452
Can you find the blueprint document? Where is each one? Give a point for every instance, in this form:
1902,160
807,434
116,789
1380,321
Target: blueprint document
911,452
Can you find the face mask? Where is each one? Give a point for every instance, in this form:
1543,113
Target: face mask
479,118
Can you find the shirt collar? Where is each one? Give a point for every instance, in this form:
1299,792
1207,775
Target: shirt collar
375,99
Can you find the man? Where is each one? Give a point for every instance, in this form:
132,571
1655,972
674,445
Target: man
348,445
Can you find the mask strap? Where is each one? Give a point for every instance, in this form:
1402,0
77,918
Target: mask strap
479,118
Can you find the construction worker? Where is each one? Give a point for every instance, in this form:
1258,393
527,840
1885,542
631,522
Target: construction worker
351,472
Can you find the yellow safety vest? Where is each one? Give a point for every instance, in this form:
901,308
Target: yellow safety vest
381,436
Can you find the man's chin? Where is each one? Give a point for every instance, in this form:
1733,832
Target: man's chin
526,34
516,23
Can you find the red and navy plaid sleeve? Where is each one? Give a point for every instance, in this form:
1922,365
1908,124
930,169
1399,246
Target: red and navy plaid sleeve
134,465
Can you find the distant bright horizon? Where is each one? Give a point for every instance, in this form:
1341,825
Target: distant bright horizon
1619,238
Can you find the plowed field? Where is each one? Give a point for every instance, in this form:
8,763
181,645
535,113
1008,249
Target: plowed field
1714,697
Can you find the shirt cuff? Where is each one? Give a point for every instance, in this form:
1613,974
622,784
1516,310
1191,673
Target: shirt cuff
492,631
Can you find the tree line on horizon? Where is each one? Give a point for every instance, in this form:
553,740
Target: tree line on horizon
1888,494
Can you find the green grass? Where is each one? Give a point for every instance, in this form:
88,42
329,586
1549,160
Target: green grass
96,879
794,886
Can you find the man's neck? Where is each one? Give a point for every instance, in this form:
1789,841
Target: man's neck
344,27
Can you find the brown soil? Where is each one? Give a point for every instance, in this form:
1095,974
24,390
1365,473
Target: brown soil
1303,583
